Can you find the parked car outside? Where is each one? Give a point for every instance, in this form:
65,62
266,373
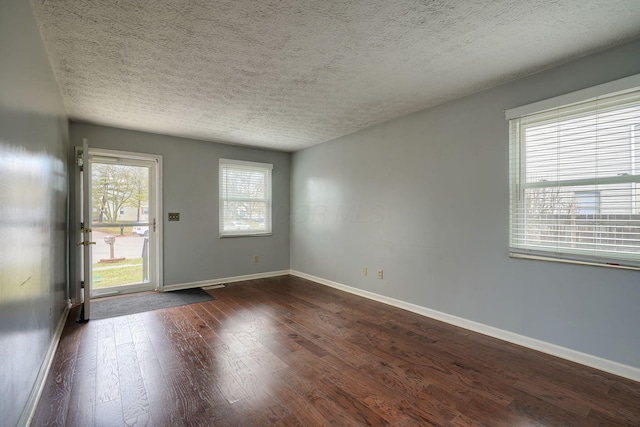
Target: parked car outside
236,225
141,230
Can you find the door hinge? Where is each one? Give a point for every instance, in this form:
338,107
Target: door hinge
79,160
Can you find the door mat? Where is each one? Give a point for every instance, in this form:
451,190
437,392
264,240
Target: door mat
114,307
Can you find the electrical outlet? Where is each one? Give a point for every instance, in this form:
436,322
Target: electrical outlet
380,276
364,271
255,258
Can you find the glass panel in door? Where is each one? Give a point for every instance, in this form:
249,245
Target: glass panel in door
122,221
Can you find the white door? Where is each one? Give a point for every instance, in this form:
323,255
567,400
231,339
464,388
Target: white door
122,215
85,233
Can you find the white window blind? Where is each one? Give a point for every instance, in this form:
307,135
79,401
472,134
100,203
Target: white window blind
245,198
574,181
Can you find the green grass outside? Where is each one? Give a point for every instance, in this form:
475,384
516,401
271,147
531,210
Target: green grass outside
118,273
113,264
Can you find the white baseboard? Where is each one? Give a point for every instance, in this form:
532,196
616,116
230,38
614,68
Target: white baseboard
596,362
204,283
32,402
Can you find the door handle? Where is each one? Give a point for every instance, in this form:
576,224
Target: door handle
85,243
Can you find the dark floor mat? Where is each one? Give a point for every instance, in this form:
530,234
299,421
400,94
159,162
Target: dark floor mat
114,307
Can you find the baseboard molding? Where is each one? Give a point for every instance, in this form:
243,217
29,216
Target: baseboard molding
224,280
596,362
32,402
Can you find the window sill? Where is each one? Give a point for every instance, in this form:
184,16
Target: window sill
226,236
571,261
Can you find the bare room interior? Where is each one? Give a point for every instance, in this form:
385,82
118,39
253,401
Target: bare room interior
238,213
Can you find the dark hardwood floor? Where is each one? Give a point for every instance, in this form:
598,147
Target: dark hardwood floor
286,351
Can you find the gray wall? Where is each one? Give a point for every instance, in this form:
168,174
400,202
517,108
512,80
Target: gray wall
192,249
425,198
33,206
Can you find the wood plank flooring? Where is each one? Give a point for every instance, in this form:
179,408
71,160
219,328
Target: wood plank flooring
289,352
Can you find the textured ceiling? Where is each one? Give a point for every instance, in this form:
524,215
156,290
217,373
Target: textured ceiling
287,74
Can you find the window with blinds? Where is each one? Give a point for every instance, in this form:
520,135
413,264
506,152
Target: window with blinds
574,177
245,198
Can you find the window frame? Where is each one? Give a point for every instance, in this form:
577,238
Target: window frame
518,184
223,199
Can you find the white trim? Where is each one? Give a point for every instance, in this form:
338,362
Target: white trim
159,264
573,97
130,155
245,163
595,362
251,234
211,282
38,387
514,254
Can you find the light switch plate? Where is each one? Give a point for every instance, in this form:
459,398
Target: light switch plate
174,216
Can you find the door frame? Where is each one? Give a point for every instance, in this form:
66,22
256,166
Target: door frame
157,158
